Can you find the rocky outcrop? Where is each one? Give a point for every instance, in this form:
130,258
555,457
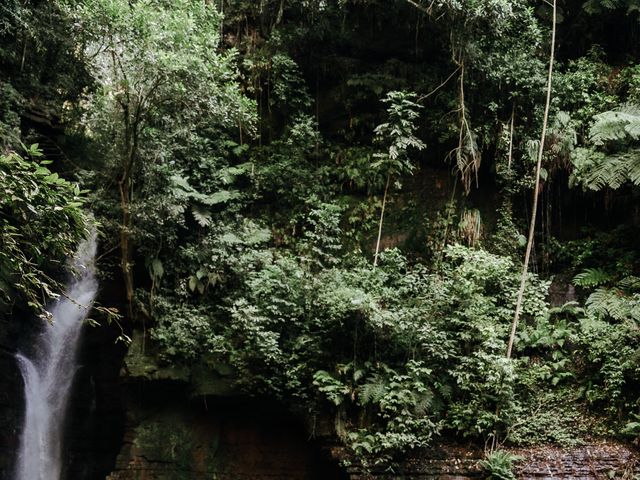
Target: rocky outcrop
95,423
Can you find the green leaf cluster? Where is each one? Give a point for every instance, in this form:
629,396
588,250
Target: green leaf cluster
41,222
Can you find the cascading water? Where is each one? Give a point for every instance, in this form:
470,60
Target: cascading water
49,374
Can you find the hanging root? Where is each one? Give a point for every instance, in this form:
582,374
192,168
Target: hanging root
470,227
466,154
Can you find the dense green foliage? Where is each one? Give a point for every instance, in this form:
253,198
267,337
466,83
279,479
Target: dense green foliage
34,204
261,174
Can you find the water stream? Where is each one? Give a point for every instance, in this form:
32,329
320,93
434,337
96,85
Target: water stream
48,375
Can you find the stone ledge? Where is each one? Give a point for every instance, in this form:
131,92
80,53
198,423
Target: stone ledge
597,461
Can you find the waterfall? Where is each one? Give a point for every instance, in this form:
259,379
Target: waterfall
48,375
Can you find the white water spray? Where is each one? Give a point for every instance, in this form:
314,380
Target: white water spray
49,374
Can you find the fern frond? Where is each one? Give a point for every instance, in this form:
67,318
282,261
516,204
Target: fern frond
591,277
373,391
613,171
598,168
630,283
609,302
634,166
616,125
634,308
445,390
570,308
424,402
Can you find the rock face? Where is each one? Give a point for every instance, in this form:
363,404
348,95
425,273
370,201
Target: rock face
172,437
11,412
11,395
95,422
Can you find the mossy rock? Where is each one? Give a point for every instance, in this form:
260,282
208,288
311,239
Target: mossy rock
142,361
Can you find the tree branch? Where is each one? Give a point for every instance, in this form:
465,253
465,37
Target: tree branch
420,7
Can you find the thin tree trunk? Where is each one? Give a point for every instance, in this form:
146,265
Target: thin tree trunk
445,237
513,121
532,225
125,244
384,203
125,186
24,54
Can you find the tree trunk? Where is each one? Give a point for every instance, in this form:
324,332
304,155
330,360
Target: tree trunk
532,225
125,186
125,242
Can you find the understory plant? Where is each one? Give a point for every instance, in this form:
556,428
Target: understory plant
396,354
499,465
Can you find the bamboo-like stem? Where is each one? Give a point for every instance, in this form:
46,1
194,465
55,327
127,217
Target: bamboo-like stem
532,225
384,203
